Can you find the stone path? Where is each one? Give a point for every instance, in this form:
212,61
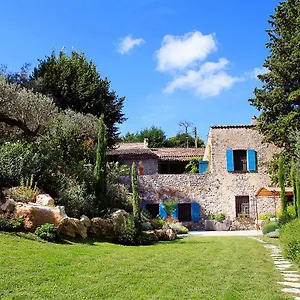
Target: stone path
291,278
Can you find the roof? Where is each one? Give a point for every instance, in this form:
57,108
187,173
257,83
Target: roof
273,191
132,153
137,151
178,154
137,145
232,126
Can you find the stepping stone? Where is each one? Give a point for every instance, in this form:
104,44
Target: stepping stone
291,284
291,279
284,266
297,298
288,272
291,290
281,262
292,275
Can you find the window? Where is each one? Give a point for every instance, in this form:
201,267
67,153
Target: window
241,160
242,205
153,209
184,212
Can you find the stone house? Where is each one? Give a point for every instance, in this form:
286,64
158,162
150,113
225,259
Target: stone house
232,176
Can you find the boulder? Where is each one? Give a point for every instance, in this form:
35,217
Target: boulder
85,221
44,199
118,219
9,205
165,234
102,229
70,227
35,215
214,225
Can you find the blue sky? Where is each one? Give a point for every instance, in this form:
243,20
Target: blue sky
174,60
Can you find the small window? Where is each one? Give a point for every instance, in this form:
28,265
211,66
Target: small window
242,205
153,209
240,160
184,212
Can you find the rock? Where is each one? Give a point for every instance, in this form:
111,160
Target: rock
273,234
213,225
165,234
70,227
146,226
102,229
9,205
118,219
35,215
85,221
44,199
152,234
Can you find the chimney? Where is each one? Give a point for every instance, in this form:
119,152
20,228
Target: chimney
254,120
146,142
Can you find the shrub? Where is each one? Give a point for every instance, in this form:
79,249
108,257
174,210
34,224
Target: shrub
47,232
193,166
170,207
290,238
269,227
217,217
128,234
158,223
26,192
265,216
178,228
10,224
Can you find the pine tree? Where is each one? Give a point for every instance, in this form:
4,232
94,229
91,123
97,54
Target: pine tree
100,172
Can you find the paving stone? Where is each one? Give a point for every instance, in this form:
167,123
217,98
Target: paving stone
293,275
289,272
291,284
284,266
291,290
291,279
297,298
283,262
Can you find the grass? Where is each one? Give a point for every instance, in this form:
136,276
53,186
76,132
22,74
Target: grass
191,268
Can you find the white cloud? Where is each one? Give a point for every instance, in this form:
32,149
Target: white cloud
209,80
129,43
258,71
179,52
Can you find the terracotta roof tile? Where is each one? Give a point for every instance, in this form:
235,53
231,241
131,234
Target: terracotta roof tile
178,154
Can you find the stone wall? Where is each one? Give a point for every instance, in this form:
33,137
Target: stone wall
150,165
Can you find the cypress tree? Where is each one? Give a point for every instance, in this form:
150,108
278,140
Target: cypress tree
100,171
293,179
281,180
135,195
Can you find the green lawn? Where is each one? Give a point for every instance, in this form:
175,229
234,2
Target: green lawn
191,268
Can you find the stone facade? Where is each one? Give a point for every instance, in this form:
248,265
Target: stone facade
150,165
217,189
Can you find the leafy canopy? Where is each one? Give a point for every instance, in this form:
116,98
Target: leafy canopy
74,83
278,99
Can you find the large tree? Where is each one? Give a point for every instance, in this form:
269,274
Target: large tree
74,82
278,99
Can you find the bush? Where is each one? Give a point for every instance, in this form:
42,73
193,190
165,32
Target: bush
26,192
290,238
217,217
10,224
128,234
47,232
265,216
158,223
269,227
178,228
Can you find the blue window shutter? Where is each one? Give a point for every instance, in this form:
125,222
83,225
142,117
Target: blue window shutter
251,160
229,160
143,205
203,166
195,211
162,211
175,212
